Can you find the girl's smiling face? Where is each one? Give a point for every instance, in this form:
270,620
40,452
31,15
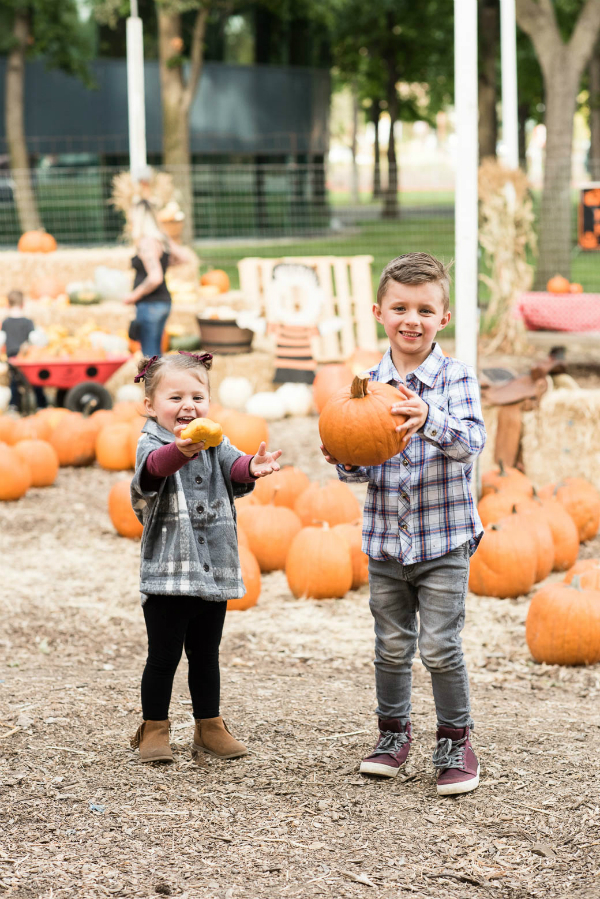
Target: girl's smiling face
180,397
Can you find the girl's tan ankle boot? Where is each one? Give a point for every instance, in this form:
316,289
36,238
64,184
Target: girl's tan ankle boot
213,737
152,737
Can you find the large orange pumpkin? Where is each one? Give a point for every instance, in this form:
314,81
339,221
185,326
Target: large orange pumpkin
270,530
36,242
575,287
363,360
252,582
563,625
282,487
216,278
328,381
537,523
562,528
47,286
496,505
581,500
127,411
581,567
242,537
360,560
319,564
121,513
74,441
32,428
558,284
15,474
505,563
334,503
113,447
590,579
500,477
53,415
42,460
7,428
357,427
245,431
101,418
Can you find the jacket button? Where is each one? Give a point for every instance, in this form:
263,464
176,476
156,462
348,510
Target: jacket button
200,539
199,508
206,566
198,479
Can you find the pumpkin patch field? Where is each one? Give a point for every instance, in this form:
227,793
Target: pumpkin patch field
80,817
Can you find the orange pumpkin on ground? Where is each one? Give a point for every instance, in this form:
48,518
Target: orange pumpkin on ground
31,428
590,579
588,240
216,278
334,503
539,528
127,411
558,284
357,427
42,460
328,381
581,500
252,582
505,563
7,428
101,418
494,506
74,441
113,447
36,242
121,513
242,538
53,415
319,564
500,478
270,530
15,474
580,567
575,287
245,431
244,502
562,527
282,487
363,360
563,625
360,560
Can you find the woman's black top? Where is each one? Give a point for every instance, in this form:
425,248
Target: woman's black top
161,293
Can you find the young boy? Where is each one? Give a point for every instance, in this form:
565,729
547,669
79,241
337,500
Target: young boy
420,524
17,328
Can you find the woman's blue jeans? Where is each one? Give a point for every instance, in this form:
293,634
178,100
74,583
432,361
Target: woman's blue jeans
151,316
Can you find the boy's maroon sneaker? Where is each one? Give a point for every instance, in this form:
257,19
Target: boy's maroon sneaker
456,763
391,751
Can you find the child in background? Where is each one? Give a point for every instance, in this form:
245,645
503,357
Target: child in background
17,329
183,495
420,524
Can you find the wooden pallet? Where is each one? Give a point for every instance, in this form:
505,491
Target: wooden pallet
348,293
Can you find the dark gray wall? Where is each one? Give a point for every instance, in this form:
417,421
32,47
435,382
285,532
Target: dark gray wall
238,109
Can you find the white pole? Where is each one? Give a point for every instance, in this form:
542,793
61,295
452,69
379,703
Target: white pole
510,110
135,94
466,211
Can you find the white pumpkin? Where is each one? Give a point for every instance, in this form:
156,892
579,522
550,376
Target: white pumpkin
297,398
266,405
234,393
129,393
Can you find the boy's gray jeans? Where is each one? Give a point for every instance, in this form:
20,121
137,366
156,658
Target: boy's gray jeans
436,589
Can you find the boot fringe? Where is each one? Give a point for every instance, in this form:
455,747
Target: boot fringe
137,737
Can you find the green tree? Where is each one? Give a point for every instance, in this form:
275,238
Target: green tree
28,29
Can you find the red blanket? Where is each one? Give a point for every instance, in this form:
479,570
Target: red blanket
559,311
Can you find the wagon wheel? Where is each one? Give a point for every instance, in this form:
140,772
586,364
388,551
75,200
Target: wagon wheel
87,397
27,401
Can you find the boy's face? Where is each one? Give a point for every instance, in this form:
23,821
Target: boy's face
412,315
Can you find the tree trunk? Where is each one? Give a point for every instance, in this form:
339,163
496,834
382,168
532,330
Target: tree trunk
25,202
489,38
375,115
594,77
391,208
354,197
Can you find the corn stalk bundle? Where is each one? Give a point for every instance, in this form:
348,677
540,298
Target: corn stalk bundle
159,192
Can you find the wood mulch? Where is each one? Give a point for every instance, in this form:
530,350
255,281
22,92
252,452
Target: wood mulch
80,817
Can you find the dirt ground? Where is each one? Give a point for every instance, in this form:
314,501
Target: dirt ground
80,817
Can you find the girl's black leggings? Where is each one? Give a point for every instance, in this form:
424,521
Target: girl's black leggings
175,623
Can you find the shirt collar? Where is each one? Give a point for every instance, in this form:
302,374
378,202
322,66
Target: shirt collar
427,371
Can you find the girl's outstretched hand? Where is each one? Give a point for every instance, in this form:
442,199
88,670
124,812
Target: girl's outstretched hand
264,463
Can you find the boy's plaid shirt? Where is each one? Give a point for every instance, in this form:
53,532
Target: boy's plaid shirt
419,504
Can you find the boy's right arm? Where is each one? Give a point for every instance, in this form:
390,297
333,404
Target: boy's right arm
356,473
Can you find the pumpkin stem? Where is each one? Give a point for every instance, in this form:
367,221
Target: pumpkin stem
359,387
501,467
514,509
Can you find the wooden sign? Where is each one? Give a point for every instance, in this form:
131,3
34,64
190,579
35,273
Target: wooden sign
588,218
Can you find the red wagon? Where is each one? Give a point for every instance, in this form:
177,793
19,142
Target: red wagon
78,381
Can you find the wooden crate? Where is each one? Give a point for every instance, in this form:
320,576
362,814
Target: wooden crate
348,293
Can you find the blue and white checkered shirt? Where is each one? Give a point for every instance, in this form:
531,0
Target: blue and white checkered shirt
419,504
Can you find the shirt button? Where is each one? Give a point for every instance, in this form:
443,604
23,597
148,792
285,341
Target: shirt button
200,539
405,496
404,527
206,566
198,479
433,433
406,463
199,508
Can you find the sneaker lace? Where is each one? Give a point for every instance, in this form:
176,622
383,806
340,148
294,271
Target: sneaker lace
449,753
389,743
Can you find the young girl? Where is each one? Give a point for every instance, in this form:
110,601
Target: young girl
183,495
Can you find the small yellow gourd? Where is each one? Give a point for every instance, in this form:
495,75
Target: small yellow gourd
203,429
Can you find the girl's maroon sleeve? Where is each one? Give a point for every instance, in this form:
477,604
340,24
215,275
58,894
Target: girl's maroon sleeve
161,463
240,470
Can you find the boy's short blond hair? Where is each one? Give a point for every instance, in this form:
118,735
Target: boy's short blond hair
416,268
15,298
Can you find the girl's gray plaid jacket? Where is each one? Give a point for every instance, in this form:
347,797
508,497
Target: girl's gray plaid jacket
189,545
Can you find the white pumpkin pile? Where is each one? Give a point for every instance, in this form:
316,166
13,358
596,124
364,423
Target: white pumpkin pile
289,399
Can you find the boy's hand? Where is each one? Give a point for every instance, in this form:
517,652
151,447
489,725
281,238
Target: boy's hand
188,448
333,461
415,409
264,463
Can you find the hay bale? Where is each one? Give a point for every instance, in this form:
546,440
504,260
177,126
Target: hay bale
562,437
